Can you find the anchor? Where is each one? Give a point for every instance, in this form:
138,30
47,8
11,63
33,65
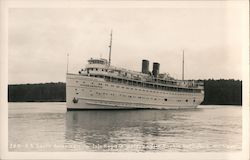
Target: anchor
75,100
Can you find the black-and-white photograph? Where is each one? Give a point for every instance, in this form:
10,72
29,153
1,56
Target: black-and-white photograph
161,79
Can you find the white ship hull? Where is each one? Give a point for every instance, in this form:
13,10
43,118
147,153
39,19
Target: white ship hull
85,92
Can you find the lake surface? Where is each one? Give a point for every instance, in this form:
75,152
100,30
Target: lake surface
49,127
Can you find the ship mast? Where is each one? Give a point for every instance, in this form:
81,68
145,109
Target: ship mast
110,46
183,65
67,62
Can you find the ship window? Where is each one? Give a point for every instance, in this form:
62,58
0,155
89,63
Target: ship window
194,100
77,93
96,69
76,89
186,100
166,99
102,69
155,99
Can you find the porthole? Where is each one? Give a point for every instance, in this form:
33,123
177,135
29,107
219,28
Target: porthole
166,99
186,100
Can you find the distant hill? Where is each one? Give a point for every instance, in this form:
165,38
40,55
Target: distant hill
223,92
220,92
42,92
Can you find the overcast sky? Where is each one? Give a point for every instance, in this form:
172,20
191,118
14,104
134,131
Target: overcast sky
39,40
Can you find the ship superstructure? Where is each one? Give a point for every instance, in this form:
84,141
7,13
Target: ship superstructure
103,86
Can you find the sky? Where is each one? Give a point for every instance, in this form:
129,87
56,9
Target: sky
40,39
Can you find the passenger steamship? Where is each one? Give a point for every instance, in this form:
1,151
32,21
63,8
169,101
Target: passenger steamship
103,86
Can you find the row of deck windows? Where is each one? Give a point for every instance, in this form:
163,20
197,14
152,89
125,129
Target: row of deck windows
139,97
96,69
126,74
147,85
144,90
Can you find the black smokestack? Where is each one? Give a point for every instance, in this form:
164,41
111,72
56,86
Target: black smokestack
145,66
156,69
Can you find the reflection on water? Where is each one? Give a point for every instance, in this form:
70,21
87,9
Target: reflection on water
128,127
143,130
49,127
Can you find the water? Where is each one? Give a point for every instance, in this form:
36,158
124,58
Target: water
49,127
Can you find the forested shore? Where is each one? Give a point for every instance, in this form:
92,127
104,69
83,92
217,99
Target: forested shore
217,92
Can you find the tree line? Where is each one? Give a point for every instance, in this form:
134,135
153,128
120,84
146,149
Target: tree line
217,92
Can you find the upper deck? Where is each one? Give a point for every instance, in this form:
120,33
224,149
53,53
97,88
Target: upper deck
101,67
